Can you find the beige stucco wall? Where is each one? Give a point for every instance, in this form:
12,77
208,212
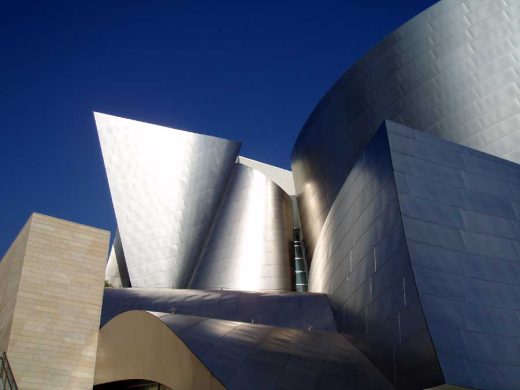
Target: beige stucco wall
138,345
50,309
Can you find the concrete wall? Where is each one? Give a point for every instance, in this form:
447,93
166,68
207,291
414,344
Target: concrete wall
51,286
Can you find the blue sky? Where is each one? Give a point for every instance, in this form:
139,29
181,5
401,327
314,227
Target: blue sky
244,70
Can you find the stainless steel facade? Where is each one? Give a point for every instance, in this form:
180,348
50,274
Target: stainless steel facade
413,234
453,71
420,259
260,357
165,185
117,271
461,219
249,245
112,271
280,309
361,262
183,203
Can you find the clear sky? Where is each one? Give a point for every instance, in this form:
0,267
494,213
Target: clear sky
245,70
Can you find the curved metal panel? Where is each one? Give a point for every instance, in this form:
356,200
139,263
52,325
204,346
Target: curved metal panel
280,176
453,71
361,262
420,259
165,185
138,345
248,247
238,355
283,309
461,219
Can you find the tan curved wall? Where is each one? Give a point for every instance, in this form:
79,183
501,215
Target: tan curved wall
137,345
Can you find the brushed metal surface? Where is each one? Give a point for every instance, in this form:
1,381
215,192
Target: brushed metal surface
249,245
420,259
282,177
361,262
165,186
464,245
116,272
453,71
112,270
253,356
282,309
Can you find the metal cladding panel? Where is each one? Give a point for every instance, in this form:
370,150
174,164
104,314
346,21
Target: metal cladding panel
248,247
165,185
361,262
282,309
420,259
461,215
453,71
253,356
280,176
117,272
112,270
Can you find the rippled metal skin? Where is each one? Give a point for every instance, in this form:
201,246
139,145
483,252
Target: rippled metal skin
256,357
453,71
249,245
282,309
420,259
165,186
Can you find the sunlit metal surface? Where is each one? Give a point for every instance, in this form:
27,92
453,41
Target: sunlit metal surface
282,177
117,271
252,356
112,271
361,262
165,185
283,309
249,246
453,71
420,259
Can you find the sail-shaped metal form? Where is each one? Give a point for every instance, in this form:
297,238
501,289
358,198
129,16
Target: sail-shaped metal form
165,185
184,202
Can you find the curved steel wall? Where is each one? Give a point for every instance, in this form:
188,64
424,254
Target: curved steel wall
281,308
419,257
165,186
248,247
189,352
453,70
361,262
